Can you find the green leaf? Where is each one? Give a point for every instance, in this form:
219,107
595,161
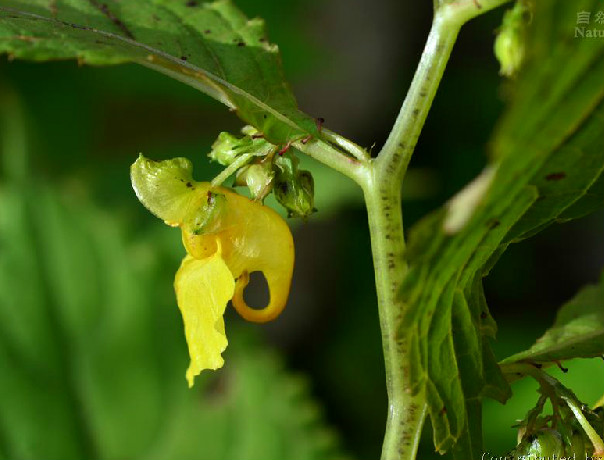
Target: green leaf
592,200
578,331
546,166
210,46
92,357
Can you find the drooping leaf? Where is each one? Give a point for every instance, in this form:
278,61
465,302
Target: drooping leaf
578,332
210,46
547,158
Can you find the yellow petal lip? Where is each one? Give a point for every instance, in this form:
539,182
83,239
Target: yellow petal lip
203,289
253,238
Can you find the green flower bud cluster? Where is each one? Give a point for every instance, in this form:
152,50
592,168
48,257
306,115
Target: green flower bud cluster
263,169
562,434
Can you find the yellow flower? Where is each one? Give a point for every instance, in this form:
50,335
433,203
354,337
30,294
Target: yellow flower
227,237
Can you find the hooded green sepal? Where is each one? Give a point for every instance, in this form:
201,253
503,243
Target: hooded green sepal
510,42
165,188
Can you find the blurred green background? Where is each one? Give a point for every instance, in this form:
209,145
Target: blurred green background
92,354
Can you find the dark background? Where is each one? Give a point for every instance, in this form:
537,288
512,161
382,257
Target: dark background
349,61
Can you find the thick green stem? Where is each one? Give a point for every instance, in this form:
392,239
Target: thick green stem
392,161
448,19
406,412
381,180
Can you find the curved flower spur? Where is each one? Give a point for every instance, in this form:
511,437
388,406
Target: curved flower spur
227,236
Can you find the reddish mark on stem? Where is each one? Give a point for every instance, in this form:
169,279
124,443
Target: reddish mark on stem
285,148
319,122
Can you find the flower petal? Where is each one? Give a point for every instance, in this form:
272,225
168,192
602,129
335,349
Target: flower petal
167,189
254,238
203,289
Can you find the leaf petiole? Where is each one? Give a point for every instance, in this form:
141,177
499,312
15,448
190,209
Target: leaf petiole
350,147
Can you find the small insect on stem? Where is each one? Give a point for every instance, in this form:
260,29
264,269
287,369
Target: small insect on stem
478,5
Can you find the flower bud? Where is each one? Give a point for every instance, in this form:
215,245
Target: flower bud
258,178
546,443
294,188
510,42
227,147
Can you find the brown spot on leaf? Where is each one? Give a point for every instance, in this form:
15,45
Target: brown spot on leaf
103,8
555,176
53,8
